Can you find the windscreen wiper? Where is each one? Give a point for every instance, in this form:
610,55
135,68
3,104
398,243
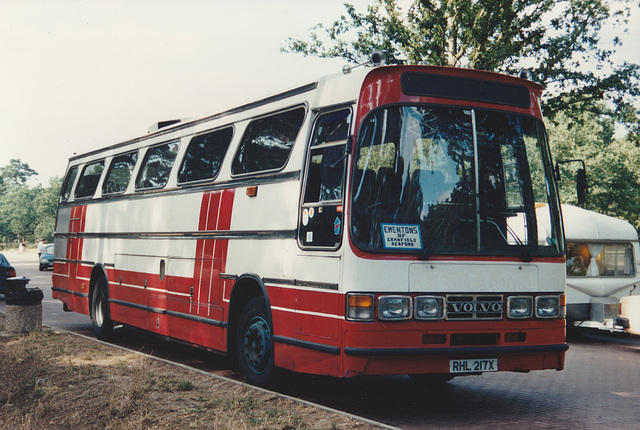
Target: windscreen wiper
524,252
450,215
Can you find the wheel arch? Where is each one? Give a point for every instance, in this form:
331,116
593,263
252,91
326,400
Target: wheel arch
246,287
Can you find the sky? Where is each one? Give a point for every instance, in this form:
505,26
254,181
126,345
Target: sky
78,75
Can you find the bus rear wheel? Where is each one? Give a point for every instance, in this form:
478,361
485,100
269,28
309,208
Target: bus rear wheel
102,324
254,344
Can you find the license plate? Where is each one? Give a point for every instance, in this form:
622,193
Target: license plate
473,365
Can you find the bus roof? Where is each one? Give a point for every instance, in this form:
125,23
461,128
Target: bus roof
335,89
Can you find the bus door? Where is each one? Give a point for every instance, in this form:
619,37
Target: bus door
321,217
321,224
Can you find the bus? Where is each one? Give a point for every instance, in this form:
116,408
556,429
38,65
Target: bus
373,222
602,267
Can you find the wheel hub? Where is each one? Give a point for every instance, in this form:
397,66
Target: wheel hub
257,345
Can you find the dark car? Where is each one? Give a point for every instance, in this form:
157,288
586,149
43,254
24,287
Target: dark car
46,258
6,271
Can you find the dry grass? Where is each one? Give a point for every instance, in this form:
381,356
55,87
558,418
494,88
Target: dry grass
60,381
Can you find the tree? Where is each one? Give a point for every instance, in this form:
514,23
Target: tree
45,205
17,214
16,173
558,41
26,213
612,164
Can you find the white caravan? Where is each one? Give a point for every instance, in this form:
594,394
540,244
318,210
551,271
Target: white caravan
602,267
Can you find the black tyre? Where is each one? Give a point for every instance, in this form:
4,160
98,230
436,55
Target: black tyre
254,344
100,315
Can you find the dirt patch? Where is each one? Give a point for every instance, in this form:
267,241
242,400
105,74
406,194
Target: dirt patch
52,380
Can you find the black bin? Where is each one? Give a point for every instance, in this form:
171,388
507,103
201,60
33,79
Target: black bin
17,293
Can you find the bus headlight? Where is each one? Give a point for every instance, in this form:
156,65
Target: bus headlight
429,308
359,307
520,307
548,307
394,307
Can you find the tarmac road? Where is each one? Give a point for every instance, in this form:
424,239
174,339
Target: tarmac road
599,388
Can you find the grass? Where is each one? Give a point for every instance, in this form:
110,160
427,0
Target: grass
60,381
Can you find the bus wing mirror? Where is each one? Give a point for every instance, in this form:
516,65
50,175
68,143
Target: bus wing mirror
582,186
581,179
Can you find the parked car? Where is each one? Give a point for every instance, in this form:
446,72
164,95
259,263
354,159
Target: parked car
46,258
6,271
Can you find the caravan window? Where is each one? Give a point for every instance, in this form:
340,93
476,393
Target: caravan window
600,259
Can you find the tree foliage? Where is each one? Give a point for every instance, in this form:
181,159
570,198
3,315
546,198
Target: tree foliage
26,213
612,164
559,41
45,205
15,174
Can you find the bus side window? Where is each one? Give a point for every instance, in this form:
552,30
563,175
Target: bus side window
88,182
119,173
157,165
321,216
204,156
267,142
68,184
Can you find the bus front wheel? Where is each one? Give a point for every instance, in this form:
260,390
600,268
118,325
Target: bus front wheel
254,344
102,324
